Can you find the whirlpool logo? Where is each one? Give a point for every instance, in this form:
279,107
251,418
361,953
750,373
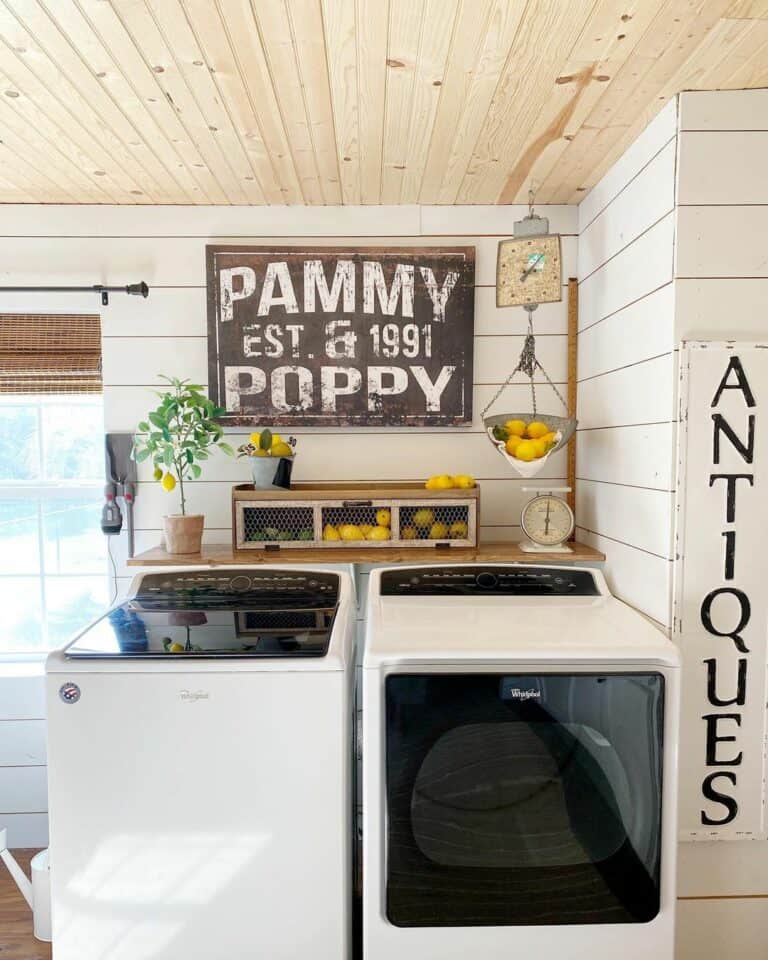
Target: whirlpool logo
515,693
192,696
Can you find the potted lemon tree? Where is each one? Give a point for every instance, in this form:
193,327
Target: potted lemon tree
177,435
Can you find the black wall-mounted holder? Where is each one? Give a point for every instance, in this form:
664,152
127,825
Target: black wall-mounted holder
134,289
120,471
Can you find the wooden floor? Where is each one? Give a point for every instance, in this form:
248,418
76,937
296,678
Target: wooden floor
17,941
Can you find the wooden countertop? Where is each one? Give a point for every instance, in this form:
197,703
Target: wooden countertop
222,554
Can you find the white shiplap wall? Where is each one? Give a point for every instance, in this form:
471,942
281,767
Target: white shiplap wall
625,441
721,292
167,334
671,247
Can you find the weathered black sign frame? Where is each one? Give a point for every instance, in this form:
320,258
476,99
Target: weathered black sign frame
341,336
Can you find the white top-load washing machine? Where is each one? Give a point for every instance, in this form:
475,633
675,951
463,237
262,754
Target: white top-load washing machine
519,768
199,766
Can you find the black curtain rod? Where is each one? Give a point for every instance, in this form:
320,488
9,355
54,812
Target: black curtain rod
135,289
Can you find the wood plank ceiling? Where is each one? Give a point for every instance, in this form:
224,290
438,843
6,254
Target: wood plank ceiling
347,101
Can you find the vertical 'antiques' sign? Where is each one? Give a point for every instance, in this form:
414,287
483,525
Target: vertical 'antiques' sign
721,595
340,336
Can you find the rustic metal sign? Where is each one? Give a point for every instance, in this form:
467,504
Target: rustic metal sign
721,603
341,336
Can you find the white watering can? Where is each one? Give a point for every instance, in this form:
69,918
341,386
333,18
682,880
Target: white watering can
37,891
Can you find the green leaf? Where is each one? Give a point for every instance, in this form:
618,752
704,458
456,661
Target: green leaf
141,455
196,471
265,440
143,427
168,456
157,419
226,448
190,456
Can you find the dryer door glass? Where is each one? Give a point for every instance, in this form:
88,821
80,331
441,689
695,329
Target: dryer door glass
523,799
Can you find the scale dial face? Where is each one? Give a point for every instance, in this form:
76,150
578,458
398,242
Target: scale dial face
528,270
547,520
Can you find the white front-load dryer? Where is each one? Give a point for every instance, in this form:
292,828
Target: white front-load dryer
519,768
199,751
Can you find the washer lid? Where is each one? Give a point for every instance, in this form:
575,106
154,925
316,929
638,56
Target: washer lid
217,614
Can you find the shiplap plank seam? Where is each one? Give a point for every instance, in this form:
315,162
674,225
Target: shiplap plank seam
627,366
631,303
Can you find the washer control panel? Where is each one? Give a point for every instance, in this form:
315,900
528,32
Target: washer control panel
505,581
240,587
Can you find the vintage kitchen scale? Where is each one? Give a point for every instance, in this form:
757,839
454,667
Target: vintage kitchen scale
547,520
529,272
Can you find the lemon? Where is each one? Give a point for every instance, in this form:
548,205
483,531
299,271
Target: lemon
365,528
176,648
158,473
282,449
438,531
255,439
383,517
379,533
444,482
260,453
276,438
350,531
536,430
459,529
423,517
431,484
512,444
169,482
463,481
550,437
525,450
541,446
408,533
515,428
330,532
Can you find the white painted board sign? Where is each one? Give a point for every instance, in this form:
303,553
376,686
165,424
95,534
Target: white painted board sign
721,588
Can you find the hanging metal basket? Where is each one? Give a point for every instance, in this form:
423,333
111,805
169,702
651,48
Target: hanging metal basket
563,427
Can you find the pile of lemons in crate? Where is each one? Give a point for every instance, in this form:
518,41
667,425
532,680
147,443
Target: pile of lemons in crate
361,531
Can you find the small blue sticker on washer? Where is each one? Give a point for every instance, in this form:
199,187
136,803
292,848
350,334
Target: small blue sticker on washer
69,692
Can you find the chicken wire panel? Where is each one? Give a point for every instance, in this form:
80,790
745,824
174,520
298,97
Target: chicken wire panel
352,522
443,523
277,524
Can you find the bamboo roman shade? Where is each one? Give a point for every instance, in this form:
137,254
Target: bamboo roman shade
50,353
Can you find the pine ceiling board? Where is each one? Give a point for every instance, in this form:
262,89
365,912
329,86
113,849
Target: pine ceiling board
11,192
372,34
749,9
482,36
16,167
212,35
143,29
165,124
638,89
606,42
159,159
243,34
277,40
406,25
432,64
341,43
726,74
125,156
309,38
33,136
753,72
202,82
35,78
547,34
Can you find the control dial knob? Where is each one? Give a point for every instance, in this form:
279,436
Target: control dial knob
486,580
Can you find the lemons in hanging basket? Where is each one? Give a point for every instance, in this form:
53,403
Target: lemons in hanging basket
526,451
515,428
536,430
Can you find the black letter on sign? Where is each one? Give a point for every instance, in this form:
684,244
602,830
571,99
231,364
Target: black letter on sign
741,684
730,552
742,384
713,739
729,803
730,500
746,451
746,613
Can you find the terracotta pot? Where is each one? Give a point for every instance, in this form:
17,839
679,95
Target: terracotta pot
183,534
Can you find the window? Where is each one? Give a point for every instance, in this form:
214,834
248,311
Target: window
53,559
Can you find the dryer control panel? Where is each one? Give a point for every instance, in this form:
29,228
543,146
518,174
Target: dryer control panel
505,581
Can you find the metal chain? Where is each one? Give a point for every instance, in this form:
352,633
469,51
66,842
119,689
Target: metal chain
527,364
